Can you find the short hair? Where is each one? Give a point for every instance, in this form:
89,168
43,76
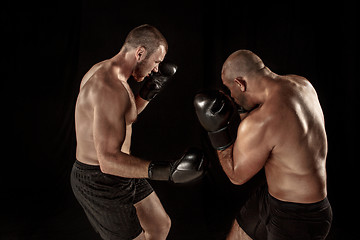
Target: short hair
242,63
145,36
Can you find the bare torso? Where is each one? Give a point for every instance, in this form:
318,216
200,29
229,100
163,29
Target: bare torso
295,169
101,75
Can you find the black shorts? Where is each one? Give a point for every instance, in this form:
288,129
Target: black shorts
108,200
265,217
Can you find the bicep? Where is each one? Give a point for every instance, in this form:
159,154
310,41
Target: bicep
251,150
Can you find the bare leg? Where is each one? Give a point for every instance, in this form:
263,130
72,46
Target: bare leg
153,218
236,233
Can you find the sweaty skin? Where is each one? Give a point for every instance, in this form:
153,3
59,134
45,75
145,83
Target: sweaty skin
285,133
106,108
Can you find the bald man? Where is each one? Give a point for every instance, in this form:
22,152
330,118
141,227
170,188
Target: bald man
283,132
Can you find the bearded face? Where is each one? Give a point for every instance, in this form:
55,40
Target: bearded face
141,70
149,64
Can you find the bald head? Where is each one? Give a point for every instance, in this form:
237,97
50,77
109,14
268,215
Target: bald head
241,64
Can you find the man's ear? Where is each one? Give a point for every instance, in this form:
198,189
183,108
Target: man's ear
239,81
140,53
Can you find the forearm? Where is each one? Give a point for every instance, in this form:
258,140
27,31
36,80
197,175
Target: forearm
123,165
188,168
140,104
227,162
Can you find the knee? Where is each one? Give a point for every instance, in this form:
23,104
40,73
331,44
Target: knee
165,228
161,230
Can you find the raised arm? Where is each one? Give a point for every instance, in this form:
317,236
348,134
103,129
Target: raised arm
248,154
140,104
242,149
154,83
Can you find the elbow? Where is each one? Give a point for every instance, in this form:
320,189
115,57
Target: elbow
113,164
236,177
104,168
105,163
237,181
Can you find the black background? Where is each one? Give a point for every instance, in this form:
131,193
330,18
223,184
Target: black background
47,48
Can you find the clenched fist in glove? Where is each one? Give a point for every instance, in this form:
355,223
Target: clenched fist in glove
157,80
218,115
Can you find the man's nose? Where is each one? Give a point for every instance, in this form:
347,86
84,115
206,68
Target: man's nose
156,68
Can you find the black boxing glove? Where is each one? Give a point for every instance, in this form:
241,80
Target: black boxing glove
188,168
218,115
157,80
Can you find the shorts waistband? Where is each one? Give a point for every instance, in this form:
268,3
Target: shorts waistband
299,206
84,166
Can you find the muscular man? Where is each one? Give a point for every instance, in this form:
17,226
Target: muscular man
284,132
107,181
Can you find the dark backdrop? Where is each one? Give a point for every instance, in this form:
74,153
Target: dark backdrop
48,47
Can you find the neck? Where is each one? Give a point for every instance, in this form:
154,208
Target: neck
262,86
124,64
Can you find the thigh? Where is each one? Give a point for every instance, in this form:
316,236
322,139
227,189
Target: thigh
254,215
151,213
107,202
142,189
